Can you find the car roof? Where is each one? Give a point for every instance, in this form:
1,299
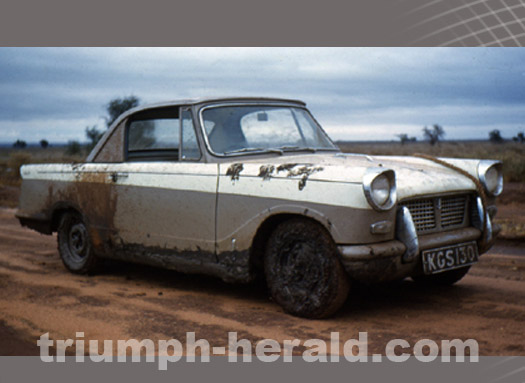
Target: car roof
182,102
198,101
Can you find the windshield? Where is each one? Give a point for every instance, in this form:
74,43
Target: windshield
252,128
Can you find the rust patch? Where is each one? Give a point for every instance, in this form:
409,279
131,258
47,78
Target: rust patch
265,171
92,193
234,171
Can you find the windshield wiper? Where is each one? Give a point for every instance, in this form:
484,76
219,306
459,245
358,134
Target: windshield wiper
290,148
248,150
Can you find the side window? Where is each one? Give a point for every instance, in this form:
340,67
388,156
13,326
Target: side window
189,144
153,138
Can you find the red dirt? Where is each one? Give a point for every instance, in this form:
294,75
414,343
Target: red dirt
37,295
9,195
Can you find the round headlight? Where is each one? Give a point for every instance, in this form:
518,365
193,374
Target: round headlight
380,189
379,186
491,176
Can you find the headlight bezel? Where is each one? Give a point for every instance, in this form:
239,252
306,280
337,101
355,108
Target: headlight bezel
483,168
369,177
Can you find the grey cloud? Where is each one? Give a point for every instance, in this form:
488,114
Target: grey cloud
409,86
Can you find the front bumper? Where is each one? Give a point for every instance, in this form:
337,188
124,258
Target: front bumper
399,258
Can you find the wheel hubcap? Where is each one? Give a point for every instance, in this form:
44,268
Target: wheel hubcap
78,241
300,268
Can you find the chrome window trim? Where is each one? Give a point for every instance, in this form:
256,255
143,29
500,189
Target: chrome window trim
182,109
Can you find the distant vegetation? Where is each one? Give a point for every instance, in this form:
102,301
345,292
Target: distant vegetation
19,144
511,153
434,134
495,136
73,148
93,135
404,138
118,106
520,137
12,159
114,108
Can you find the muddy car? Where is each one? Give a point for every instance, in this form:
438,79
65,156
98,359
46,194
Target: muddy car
238,188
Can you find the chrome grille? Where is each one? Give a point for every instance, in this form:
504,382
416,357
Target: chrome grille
453,210
439,213
423,214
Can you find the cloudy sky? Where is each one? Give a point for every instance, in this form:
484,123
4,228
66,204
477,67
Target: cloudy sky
355,93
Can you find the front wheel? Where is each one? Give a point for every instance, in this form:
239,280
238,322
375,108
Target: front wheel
74,244
303,271
445,278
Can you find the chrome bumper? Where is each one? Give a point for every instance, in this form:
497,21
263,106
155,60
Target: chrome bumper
399,258
397,248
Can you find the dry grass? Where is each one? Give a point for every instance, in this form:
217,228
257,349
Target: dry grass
12,159
510,153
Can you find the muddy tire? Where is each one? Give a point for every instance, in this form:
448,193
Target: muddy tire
74,244
445,278
303,271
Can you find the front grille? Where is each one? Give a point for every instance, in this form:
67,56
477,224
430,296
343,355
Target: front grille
423,214
439,213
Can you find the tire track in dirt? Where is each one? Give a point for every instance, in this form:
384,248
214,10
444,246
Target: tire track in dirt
38,295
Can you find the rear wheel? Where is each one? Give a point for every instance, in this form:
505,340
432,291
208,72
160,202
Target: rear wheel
445,278
303,271
74,244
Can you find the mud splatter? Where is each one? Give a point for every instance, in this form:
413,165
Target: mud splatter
304,172
234,171
286,167
265,171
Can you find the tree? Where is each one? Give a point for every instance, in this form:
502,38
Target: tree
44,144
495,136
403,138
434,134
519,138
118,106
93,135
19,144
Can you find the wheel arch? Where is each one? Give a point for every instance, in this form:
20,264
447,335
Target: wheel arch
59,209
268,225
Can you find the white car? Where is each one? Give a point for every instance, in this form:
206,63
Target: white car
246,186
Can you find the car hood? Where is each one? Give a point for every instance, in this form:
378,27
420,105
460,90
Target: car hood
414,176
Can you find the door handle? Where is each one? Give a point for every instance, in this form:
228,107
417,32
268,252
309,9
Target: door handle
116,176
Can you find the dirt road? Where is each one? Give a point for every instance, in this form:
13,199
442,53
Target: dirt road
37,295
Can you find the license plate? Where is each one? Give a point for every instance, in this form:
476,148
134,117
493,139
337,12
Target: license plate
449,257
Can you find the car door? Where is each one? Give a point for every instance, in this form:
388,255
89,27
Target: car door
165,197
